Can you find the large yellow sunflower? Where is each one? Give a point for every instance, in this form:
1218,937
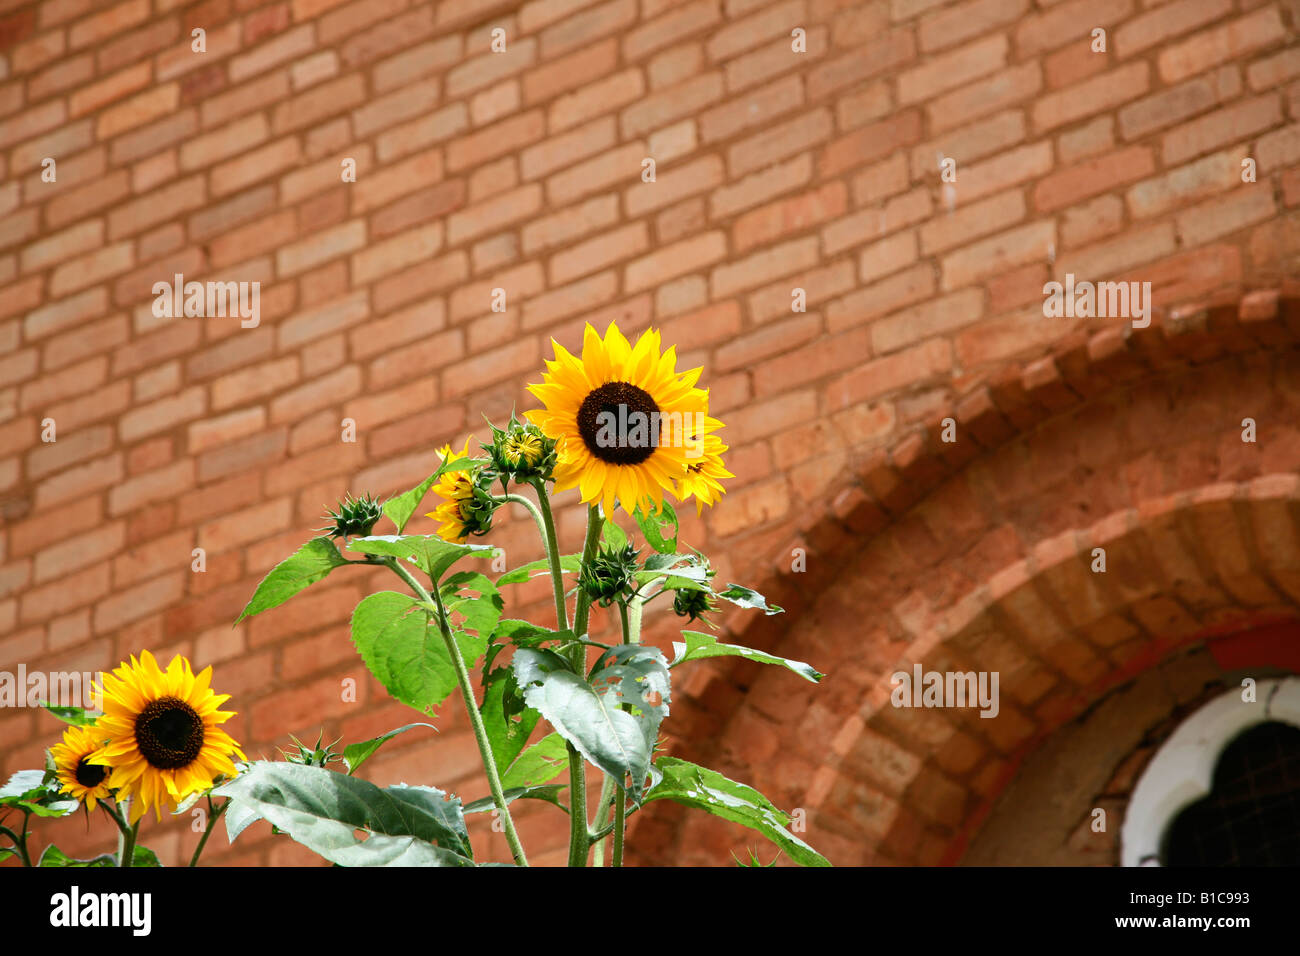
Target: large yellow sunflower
704,474
79,778
623,418
163,743
454,487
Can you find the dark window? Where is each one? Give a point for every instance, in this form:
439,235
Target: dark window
1251,817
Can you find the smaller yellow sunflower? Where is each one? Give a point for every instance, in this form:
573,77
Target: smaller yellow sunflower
79,778
163,743
704,474
455,488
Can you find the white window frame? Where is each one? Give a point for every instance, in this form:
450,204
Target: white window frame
1182,771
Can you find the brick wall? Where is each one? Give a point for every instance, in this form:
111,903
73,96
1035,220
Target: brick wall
522,170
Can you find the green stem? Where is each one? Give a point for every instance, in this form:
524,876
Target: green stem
629,614
620,824
128,845
600,829
115,814
579,836
20,840
213,816
547,524
583,606
475,718
632,630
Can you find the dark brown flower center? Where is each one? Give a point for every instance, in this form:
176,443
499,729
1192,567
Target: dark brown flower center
169,733
90,775
619,423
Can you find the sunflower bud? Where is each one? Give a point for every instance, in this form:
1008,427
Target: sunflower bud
691,604
318,756
522,452
475,510
609,574
355,517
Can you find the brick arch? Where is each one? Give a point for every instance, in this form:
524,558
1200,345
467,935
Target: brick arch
975,557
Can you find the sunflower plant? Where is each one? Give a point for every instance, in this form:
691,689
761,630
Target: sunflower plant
622,428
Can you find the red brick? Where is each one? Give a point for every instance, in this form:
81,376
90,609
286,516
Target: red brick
674,260
1005,88
891,372
1102,92
1012,248
963,21
1165,22
868,143
598,252
1064,22
789,216
941,73
504,137
759,187
1220,44
1223,126
1103,174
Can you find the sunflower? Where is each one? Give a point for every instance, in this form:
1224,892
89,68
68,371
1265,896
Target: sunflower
163,743
456,488
623,416
704,474
79,778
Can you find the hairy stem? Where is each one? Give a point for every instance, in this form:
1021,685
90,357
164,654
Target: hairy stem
553,555
620,824
128,845
579,836
20,840
115,813
606,800
471,707
213,816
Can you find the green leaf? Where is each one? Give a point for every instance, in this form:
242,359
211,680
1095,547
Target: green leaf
476,612
143,856
590,715
742,596
37,792
21,784
52,856
77,716
322,810
400,508
309,564
354,755
568,562
660,561
699,646
430,553
708,790
507,722
689,577
612,535
526,634
550,794
400,643
540,763
652,527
